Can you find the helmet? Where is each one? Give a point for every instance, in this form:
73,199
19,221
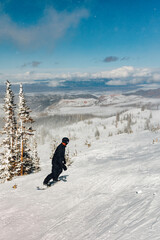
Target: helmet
65,140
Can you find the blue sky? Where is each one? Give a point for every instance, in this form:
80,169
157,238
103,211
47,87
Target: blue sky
64,40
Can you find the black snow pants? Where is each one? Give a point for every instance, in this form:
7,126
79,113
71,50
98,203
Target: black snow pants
56,171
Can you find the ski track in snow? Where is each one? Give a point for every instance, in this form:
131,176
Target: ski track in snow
111,192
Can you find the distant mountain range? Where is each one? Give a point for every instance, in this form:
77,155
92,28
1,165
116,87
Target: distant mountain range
39,101
92,85
151,93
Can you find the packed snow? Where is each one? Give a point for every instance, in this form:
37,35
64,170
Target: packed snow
110,191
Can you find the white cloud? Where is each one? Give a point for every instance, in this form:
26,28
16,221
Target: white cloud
119,76
156,77
125,81
124,72
142,72
46,32
130,75
149,86
54,84
116,82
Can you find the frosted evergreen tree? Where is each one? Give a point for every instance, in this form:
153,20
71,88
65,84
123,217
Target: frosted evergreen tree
25,131
17,157
9,161
4,169
36,160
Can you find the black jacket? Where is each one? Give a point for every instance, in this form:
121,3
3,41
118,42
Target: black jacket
58,159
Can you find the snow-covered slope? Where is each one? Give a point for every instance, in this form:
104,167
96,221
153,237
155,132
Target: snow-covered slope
105,105
111,191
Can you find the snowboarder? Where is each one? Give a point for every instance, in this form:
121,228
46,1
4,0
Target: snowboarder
58,162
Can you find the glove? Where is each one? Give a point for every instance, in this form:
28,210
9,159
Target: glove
64,167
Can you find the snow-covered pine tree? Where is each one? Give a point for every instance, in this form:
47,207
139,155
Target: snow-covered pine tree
17,157
36,164
4,170
25,131
9,161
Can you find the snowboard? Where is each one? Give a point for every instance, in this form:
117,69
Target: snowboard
61,178
46,187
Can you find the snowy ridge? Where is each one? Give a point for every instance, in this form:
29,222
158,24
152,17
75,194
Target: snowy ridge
116,99
80,102
105,105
